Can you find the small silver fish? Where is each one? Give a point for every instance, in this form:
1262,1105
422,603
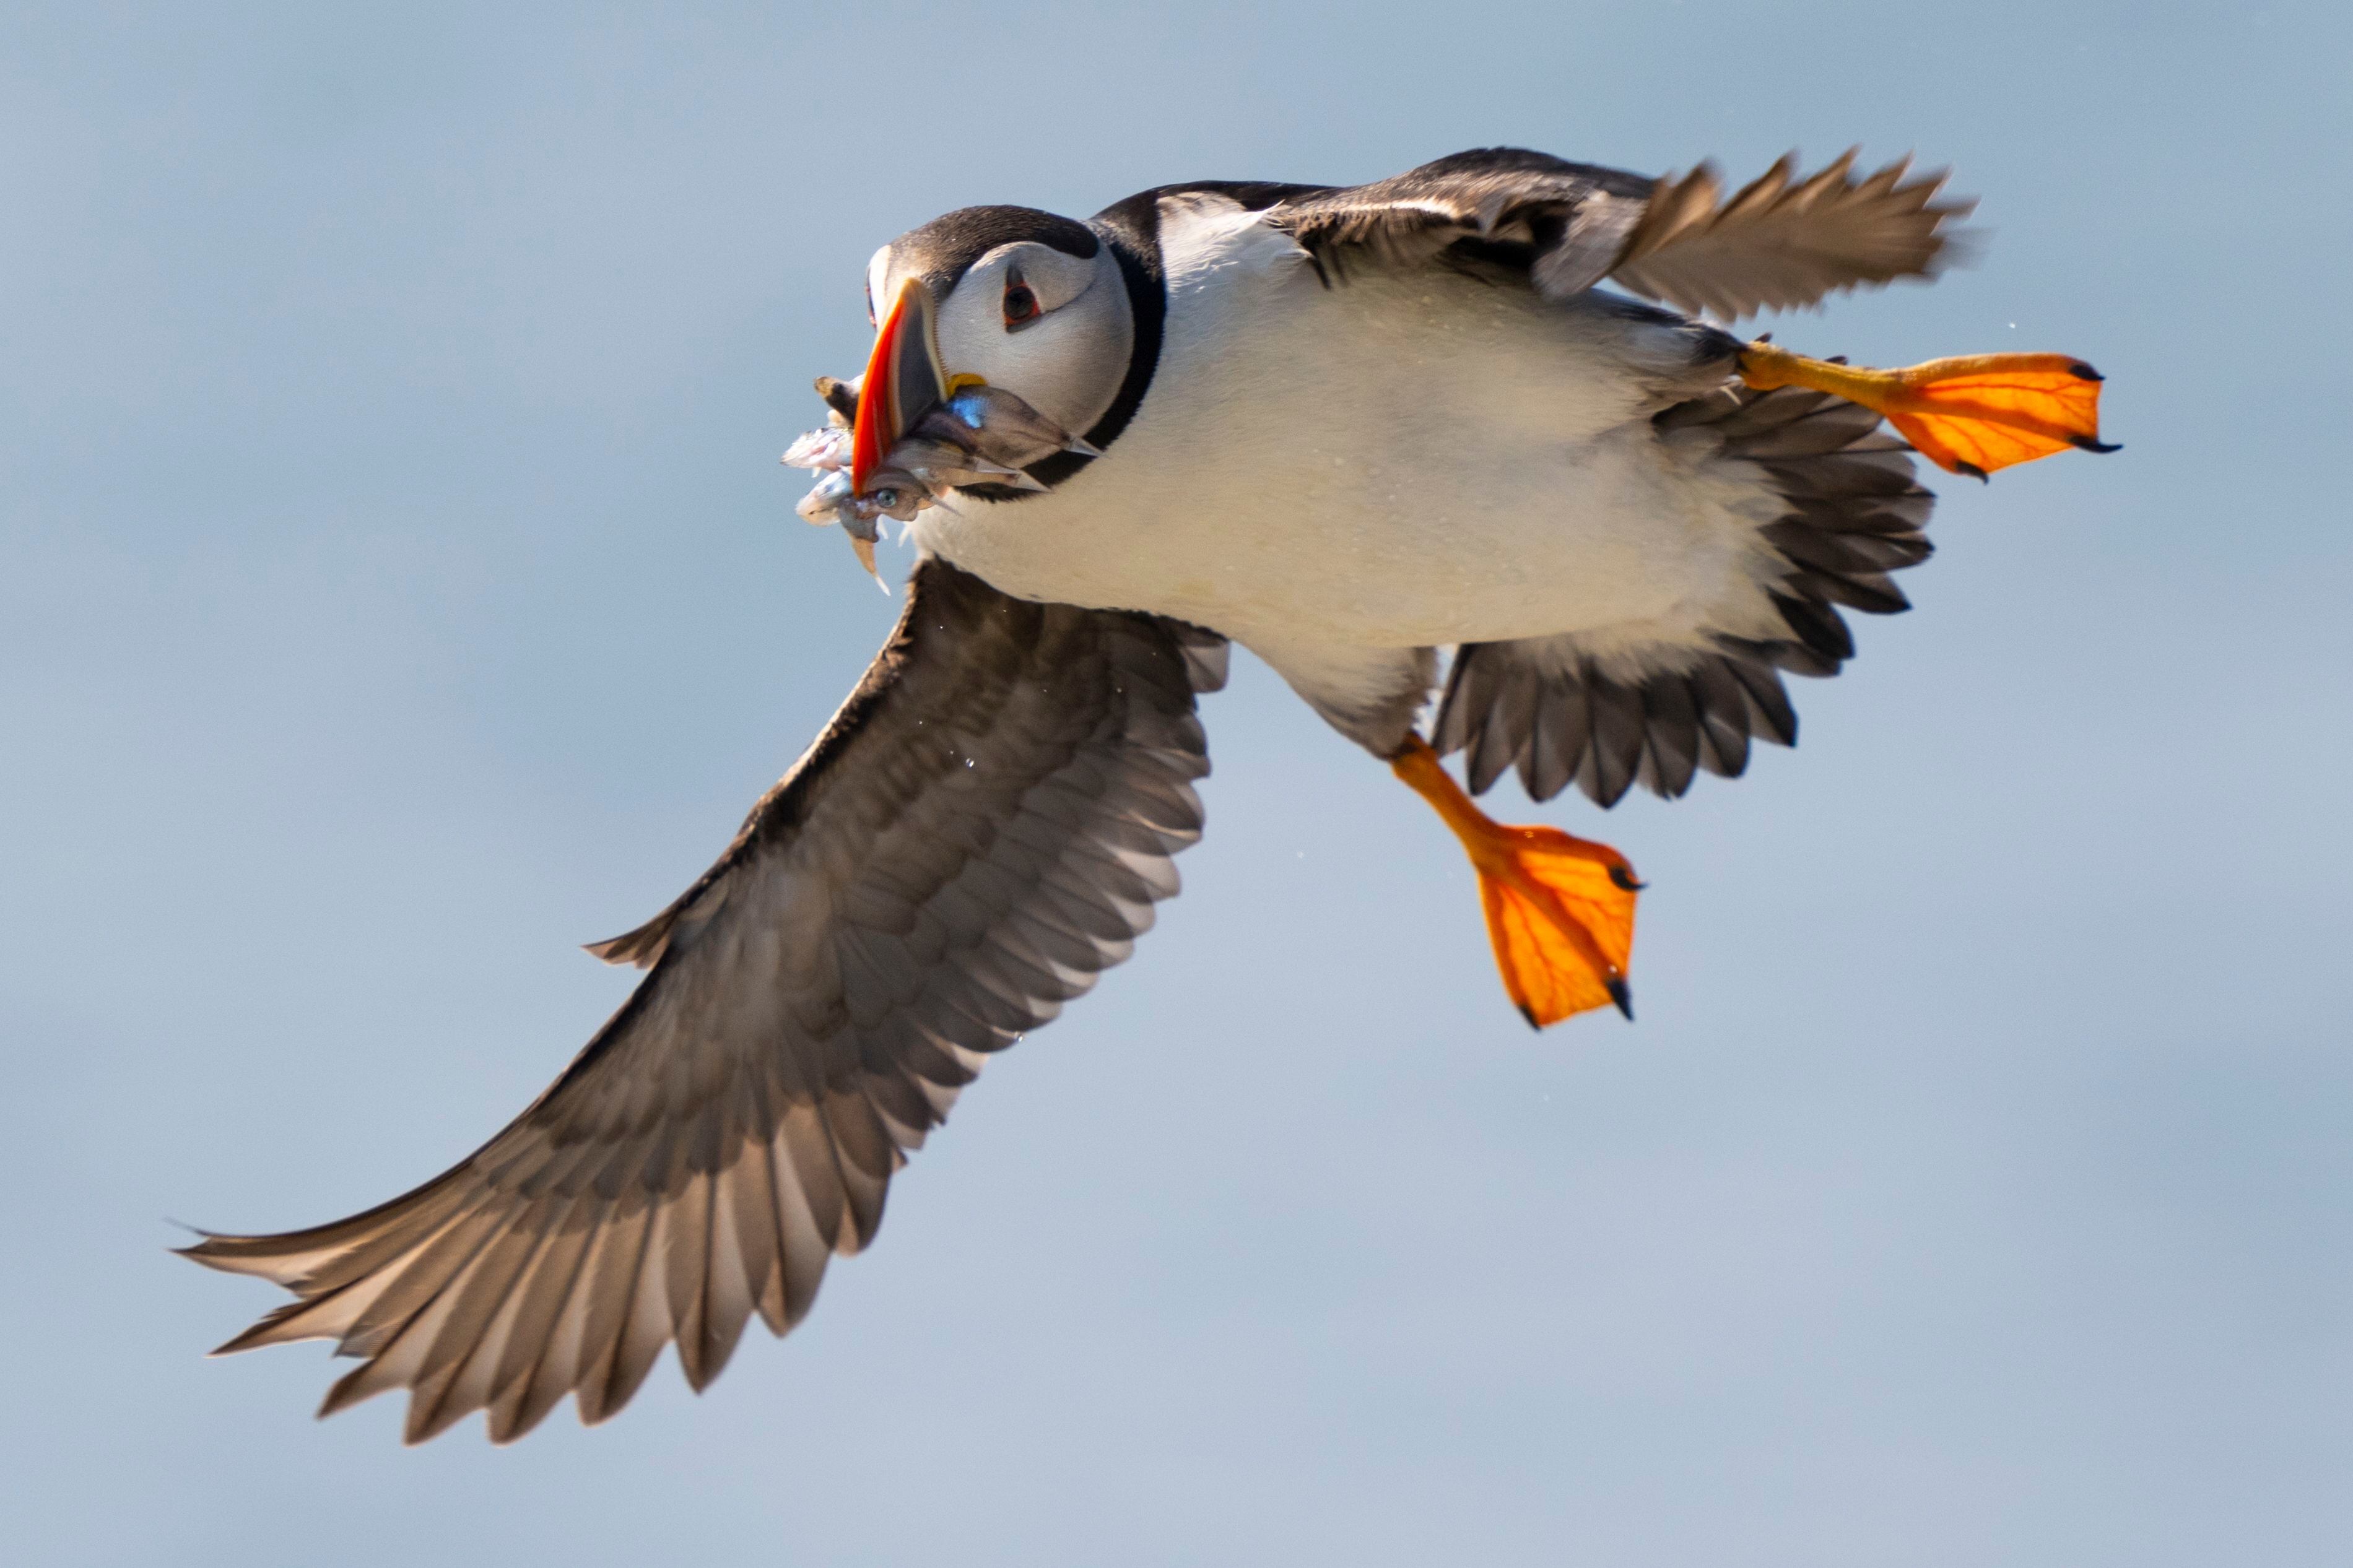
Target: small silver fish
890,492
840,397
857,516
1000,425
939,452
980,435
825,499
824,449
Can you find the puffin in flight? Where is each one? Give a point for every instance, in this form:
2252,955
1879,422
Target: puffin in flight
1361,432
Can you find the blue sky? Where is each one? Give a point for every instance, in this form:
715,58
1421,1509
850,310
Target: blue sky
400,588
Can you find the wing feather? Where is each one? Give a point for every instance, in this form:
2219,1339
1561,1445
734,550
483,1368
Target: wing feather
1780,242
1608,715
981,831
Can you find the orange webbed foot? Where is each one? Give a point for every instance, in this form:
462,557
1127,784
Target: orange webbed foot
1561,909
1968,415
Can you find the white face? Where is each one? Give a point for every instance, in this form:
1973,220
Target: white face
1055,330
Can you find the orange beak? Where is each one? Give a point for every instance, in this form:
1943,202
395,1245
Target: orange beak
903,380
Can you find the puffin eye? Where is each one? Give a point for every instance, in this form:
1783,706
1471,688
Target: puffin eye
1021,302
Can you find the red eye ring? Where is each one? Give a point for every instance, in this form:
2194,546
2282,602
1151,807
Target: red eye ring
1021,306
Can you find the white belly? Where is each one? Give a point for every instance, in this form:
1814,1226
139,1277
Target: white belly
1401,460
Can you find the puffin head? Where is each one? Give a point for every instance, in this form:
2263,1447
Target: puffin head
1007,329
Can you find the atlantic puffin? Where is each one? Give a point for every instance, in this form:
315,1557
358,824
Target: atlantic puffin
1364,432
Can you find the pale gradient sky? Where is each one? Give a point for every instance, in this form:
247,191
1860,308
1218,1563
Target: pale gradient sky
400,588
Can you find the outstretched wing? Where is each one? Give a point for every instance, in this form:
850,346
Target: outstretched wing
983,829
1779,243
1637,705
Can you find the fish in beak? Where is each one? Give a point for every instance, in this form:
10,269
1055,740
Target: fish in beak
907,432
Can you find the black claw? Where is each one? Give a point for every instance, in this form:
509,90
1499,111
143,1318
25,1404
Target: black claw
2088,444
2085,372
1530,1014
1624,995
1972,470
1625,879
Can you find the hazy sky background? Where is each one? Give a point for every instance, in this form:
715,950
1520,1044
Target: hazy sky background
399,588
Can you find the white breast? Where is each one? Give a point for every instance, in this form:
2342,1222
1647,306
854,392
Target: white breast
1402,460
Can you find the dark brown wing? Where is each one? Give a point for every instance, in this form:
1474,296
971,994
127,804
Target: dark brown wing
982,829
1779,243
1564,222
1605,715
1783,242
